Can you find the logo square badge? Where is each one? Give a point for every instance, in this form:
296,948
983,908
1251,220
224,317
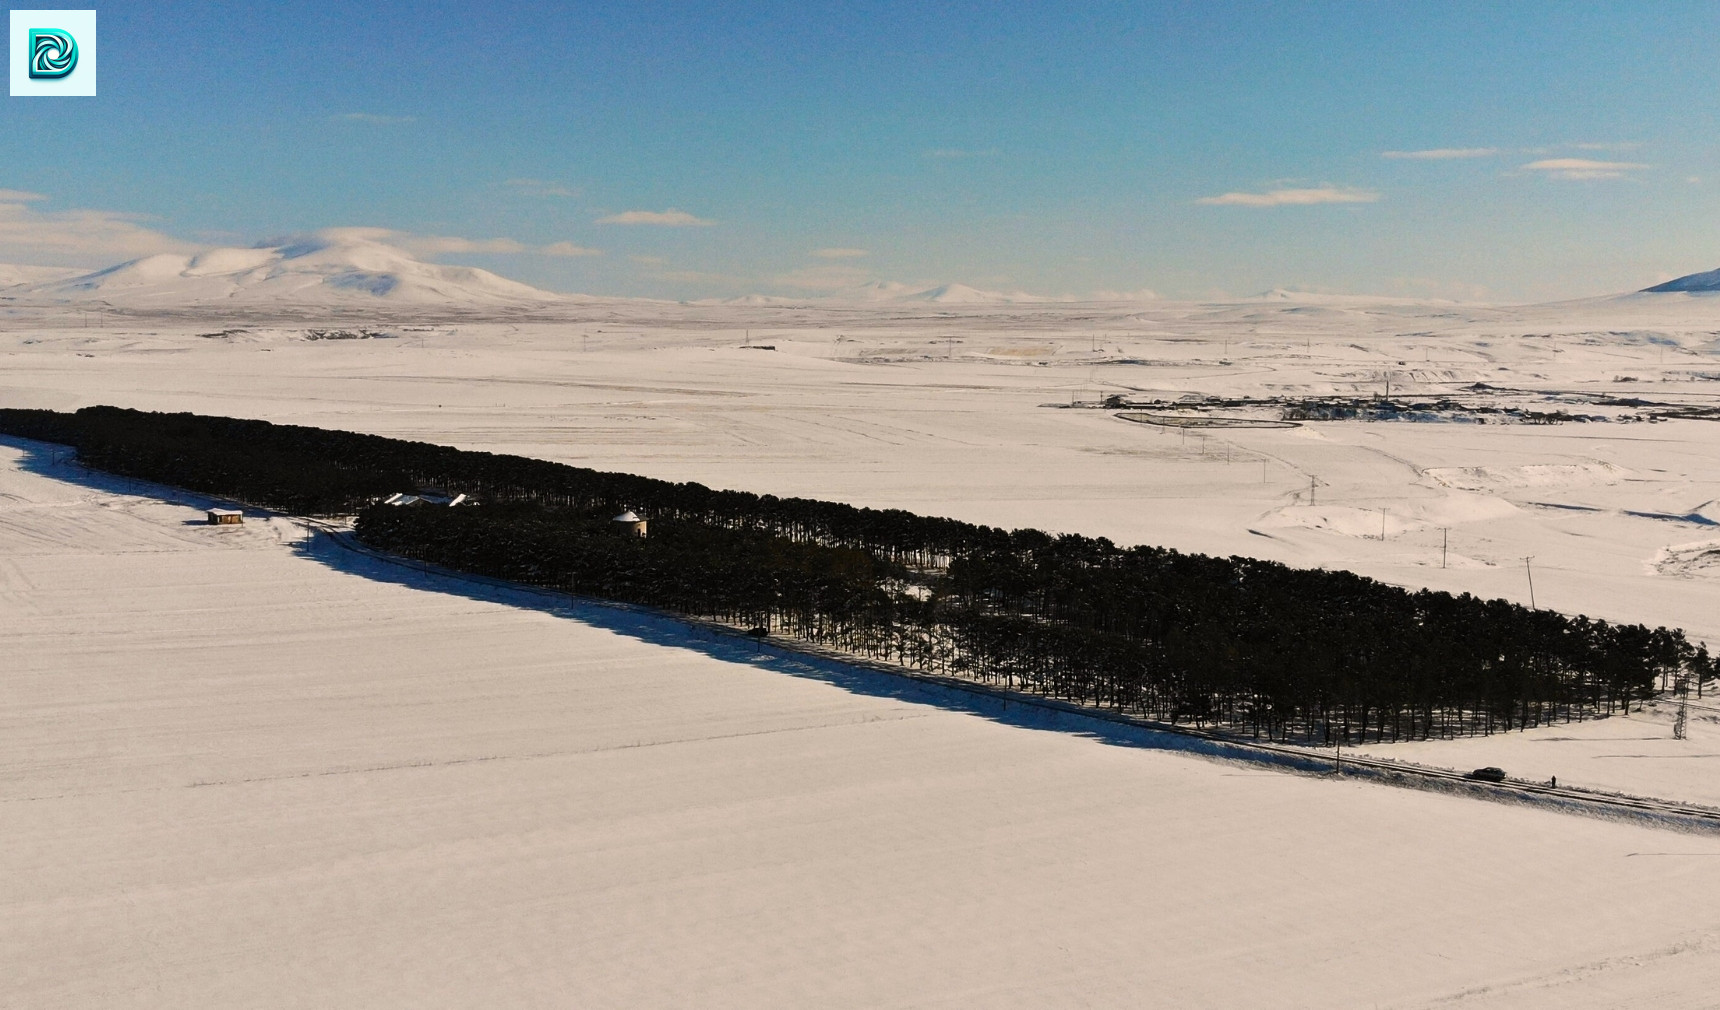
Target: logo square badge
53,53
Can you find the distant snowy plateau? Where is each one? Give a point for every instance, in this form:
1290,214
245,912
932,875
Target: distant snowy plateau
243,768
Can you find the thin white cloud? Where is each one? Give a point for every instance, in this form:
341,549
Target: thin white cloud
954,153
1583,168
699,277
1617,145
649,261
440,245
19,196
839,253
372,117
1441,153
568,249
824,277
670,218
541,187
430,246
1291,197
83,238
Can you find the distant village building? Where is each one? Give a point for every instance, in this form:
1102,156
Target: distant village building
225,517
426,498
628,523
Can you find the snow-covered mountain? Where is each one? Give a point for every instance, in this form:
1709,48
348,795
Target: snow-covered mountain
961,294
16,274
333,268
1706,281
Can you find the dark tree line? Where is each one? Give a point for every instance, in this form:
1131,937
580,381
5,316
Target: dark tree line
1240,643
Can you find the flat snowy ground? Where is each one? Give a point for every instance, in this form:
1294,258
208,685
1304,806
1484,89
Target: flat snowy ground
1634,754
239,772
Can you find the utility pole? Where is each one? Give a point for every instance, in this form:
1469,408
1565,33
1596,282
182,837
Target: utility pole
1311,480
1528,570
1382,526
1681,687
1444,542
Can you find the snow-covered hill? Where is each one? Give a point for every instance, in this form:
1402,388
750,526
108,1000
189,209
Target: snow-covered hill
327,269
16,274
1706,281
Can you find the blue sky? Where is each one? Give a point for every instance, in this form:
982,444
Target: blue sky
680,150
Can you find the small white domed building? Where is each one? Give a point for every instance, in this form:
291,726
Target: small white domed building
629,524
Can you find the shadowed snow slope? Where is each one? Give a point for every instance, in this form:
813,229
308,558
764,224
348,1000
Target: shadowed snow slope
332,268
1706,281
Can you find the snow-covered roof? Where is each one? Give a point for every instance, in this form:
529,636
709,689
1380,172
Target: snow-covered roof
628,516
225,512
402,498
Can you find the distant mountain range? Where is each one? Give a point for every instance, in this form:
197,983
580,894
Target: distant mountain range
353,267
348,267
327,270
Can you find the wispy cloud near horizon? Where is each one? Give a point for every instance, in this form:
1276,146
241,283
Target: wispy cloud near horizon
839,253
670,218
431,246
82,238
372,117
540,187
1441,154
1291,197
568,249
1583,168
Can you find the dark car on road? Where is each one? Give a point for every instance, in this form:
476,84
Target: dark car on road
1489,774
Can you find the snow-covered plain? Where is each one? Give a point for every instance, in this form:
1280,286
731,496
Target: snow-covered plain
242,772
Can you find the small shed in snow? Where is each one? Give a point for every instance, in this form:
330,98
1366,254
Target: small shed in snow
629,524
225,517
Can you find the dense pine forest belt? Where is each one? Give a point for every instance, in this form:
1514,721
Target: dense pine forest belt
1238,644
1217,743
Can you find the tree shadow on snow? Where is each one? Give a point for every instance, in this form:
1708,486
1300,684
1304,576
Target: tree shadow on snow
342,553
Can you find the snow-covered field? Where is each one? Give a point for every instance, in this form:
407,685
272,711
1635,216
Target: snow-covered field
241,772
938,409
